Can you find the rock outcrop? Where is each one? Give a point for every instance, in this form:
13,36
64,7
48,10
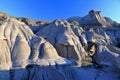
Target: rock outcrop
35,25
66,38
59,50
23,55
94,18
78,44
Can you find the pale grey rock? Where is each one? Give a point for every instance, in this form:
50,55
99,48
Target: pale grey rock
21,48
21,51
93,18
5,55
113,23
25,56
35,25
65,38
71,40
104,50
20,43
104,56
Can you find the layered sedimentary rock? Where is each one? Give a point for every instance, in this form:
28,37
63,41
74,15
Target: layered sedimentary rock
79,43
35,25
59,50
66,38
25,56
93,18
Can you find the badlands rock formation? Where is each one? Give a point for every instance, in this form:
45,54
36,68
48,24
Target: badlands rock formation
93,18
25,56
33,24
79,48
63,37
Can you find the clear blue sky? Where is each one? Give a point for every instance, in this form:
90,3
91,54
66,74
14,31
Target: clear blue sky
59,9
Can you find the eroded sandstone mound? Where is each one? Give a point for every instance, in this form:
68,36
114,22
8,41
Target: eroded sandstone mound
25,56
80,43
79,48
66,38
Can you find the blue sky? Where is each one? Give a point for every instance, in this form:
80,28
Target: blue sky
59,9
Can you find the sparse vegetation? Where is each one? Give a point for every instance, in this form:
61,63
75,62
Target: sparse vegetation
4,15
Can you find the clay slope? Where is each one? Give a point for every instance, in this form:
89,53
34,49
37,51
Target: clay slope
25,56
67,38
83,44
90,44
95,46
80,44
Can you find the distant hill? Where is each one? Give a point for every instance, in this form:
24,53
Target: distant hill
94,18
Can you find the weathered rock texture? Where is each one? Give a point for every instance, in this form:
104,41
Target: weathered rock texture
24,55
66,38
33,24
94,18
79,48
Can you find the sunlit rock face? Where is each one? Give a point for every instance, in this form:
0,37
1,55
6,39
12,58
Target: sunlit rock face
92,38
79,48
25,56
92,19
76,43
106,43
15,37
67,39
